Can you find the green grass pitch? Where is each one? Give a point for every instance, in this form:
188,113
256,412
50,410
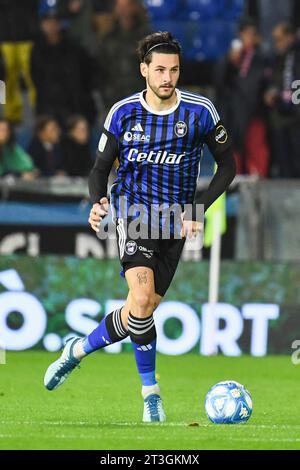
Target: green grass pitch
100,406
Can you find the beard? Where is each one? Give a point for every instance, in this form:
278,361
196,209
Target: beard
161,93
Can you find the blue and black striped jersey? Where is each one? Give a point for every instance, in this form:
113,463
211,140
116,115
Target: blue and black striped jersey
159,152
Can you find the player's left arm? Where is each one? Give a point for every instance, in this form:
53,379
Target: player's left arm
98,178
220,145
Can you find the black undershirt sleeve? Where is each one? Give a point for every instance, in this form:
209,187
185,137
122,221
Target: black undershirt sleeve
220,145
98,177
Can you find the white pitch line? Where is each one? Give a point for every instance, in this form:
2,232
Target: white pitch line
56,436
166,424
258,439
145,438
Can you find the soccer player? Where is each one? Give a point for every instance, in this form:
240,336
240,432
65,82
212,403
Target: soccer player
157,135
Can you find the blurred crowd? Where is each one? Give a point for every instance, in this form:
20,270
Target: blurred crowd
256,99
75,58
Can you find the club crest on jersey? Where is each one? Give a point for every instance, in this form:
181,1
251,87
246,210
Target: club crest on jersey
180,128
131,247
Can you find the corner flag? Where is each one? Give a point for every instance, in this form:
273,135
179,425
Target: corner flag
218,207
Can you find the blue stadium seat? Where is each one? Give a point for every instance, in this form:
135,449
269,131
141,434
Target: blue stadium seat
163,9
202,9
233,9
194,47
46,5
187,33
177,28
208,40
217,35
212,9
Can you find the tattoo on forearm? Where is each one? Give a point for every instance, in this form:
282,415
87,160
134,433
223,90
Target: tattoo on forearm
142,277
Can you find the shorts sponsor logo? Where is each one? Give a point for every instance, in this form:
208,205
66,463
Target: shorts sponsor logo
221,135
180,129
143,248
146,252
131,247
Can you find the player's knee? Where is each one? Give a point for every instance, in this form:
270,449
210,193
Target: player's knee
145,303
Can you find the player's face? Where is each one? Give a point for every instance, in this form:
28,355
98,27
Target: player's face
162,74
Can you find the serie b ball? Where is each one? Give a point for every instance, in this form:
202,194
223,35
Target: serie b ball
228,403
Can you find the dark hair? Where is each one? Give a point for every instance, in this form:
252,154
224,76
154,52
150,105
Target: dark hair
73,120
247,23
162,42
287,28
42,121
11,139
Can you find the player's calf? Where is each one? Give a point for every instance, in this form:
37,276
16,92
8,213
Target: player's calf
143,336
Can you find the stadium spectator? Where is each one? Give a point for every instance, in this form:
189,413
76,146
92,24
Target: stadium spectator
78,15
62,72
45,148
117,54
103,18
268,14
284,114
240,81
18,28
13,159
75,147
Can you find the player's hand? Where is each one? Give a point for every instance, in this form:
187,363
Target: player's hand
190,229
98,212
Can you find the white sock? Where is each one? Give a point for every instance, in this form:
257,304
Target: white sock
149,390
78,351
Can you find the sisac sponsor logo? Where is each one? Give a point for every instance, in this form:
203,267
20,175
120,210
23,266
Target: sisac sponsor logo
155,157
136,137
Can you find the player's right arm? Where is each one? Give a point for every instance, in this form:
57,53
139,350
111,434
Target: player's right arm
98,178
